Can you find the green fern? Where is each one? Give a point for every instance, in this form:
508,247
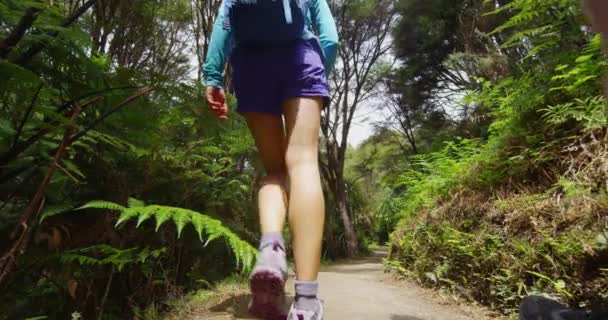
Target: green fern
207,228
591,112
54,210
101,255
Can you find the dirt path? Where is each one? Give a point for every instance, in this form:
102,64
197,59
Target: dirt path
360,290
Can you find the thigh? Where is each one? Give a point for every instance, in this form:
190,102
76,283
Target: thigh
302,122
269,135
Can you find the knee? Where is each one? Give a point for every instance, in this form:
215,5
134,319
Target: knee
298,156
274,179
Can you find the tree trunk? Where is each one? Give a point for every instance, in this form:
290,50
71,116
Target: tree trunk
605,69
352,243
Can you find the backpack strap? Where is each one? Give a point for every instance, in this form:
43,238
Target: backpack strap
287,9
228,4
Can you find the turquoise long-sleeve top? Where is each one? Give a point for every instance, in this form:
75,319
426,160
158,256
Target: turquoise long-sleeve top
318,18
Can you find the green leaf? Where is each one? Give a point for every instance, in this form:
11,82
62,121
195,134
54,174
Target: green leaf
161,217
181,218
55,210
135,203
143,214
6,128
126,216
584,58
198,221
73,169
103,205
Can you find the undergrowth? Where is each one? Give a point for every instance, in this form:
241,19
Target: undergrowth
525,211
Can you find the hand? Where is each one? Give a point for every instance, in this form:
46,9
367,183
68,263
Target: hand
217,102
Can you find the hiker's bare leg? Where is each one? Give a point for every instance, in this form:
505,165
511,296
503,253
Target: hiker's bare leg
269,136
267,279
306,203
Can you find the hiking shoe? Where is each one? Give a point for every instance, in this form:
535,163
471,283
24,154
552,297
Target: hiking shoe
295,314
267,283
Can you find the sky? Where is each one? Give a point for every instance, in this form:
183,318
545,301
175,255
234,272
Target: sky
362,126
360,131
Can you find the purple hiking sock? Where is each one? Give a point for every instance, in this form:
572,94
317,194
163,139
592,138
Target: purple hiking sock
306,296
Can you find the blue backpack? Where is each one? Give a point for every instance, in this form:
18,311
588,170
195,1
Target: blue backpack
265,23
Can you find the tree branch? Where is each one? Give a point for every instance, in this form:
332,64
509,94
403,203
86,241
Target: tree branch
26,116
19,31
142,92
22,232
34,50
18,149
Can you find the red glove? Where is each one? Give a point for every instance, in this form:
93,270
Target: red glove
217,102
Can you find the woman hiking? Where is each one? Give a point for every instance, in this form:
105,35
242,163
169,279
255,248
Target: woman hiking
280,69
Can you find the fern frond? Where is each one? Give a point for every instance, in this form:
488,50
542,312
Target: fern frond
103,205
207,228
100,255
55,210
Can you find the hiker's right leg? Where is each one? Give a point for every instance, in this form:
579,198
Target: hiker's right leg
259,102
269,136
268,277
257,79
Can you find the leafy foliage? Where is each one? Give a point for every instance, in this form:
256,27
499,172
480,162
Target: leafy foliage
110,256
517,211
143,131
495,269
205,226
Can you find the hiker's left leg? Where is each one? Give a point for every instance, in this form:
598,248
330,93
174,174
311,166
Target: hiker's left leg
306,90
306,211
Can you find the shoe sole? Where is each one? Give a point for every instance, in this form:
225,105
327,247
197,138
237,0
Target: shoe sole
267,295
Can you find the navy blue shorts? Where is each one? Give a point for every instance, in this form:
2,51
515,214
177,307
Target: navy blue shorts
265,78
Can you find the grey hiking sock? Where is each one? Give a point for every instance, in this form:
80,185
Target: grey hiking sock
272,256
306,296
272,238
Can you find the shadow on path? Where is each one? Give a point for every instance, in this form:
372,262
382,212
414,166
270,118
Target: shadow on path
237,306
